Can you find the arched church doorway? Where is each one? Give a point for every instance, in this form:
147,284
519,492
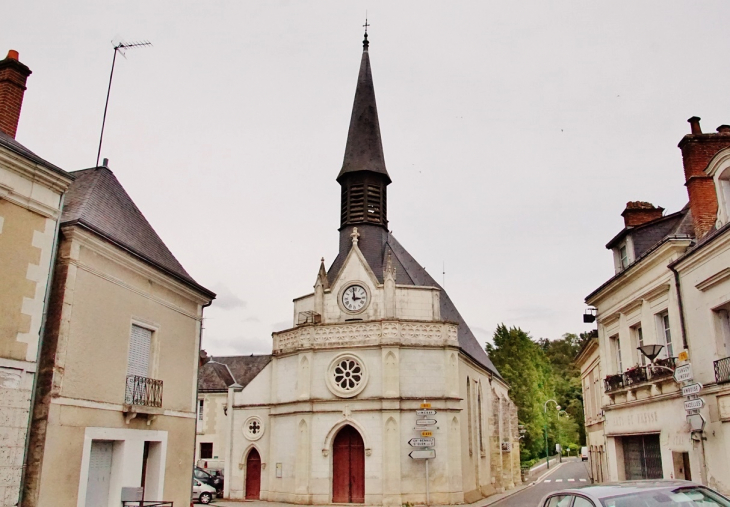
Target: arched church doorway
348,467
253,475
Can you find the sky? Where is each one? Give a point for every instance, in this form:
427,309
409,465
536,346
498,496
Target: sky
514,133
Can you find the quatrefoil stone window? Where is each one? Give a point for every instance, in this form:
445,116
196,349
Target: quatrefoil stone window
253,428
346,376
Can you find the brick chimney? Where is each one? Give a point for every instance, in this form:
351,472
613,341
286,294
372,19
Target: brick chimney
640,212
697,151
13,76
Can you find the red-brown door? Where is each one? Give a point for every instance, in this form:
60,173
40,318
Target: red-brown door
348,467
253,475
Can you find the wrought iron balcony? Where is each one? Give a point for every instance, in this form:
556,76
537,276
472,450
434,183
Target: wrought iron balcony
143,391
660,369
722,370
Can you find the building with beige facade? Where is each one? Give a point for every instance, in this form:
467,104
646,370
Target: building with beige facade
31,196
671,288
379,393
588,361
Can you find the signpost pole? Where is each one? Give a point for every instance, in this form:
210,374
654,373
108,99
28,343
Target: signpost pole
427,499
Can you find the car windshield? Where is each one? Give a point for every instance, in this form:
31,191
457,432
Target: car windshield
680,497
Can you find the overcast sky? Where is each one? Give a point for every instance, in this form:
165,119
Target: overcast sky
514,133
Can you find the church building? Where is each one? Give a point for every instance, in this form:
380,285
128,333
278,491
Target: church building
379,393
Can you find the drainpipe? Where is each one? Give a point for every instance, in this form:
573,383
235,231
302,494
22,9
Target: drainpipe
195,403
681,307
41,333
228,466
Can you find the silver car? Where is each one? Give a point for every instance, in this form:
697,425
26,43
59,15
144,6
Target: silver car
658,493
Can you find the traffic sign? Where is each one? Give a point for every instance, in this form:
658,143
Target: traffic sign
425,422
696,422
694,404
427,434
425,412
683,373
422,442
691,389
425,405
423,454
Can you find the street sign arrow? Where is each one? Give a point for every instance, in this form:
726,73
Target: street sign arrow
694,404
691,389
422,454
683,373
696,422
425,412
422,442
425,422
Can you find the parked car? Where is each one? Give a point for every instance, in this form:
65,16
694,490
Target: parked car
211,478
584,453
202,493
658,493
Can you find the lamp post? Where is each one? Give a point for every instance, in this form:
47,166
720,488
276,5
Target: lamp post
547,450
567,417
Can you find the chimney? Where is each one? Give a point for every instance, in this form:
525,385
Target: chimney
698,149
640,212
13,76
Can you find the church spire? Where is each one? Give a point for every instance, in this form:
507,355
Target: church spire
363,176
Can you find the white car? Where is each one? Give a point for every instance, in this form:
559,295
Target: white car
202,493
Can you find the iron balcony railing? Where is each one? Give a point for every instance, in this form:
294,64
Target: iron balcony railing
661,368
722,370
143,391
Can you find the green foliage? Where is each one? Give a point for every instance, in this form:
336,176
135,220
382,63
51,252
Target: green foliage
538,371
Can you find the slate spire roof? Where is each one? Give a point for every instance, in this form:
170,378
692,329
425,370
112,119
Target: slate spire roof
98,202
364,148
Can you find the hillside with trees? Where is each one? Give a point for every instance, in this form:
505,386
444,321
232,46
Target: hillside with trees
539,371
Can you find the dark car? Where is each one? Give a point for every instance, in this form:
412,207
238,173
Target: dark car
211,478
658,493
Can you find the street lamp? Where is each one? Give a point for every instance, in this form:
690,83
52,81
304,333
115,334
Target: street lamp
651,351
547,449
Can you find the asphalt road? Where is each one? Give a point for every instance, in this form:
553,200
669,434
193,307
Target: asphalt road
571,474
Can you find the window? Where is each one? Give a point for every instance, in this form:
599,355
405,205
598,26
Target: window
665,334
201,405
140,341
559,501
623,256
206,450
723,193
639,340
616,345
468,414
582,502
722,317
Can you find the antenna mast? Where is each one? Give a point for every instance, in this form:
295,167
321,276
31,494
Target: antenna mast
119,47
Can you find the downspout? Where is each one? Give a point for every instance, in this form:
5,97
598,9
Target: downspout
41,333
197,391
681,307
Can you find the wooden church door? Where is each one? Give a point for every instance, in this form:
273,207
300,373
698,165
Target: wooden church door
253,475
348,467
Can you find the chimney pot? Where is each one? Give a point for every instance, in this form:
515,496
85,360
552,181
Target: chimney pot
13,76
695,125
13,55
723,129
105,163
640,212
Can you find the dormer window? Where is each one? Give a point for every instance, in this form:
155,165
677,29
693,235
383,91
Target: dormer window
723,197
623,257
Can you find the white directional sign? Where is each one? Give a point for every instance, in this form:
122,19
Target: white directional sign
694,404
691,389
423,454
422,442
683,373
422,413
425,422
696,422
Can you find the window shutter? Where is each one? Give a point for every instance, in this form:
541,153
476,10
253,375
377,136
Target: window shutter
139,352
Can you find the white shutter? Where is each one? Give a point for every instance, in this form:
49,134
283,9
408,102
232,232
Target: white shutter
100,471
139,352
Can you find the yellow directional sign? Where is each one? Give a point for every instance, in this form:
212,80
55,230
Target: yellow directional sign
425,405
427,433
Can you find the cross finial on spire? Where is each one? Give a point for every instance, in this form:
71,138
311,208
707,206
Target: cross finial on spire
365,42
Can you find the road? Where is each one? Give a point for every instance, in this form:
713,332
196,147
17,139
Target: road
571,474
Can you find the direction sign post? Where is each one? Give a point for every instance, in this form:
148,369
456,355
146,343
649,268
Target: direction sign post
683,373
691,389
425,412
425,422
694,404
422,442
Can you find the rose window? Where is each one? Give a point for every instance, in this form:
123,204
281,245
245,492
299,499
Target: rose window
347,376
253,428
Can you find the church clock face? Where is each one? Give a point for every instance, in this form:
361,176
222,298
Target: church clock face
355,298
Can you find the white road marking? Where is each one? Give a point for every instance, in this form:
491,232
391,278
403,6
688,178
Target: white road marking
571,480
583,480
547,480
558,480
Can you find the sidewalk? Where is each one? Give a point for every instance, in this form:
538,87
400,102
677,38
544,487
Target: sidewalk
484,502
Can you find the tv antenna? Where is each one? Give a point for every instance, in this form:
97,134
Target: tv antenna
119,47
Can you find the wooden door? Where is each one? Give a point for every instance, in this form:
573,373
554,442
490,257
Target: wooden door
348,467
253,475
